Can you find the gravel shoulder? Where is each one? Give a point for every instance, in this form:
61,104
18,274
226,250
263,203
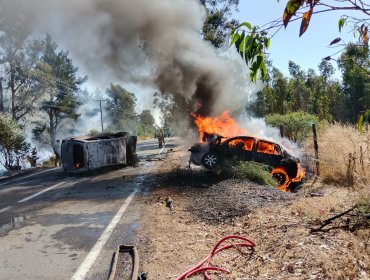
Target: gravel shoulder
207,207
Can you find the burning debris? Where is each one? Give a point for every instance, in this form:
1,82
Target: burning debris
284,168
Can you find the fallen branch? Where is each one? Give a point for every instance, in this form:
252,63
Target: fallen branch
330,220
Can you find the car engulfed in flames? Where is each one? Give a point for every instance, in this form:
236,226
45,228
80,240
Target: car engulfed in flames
286,169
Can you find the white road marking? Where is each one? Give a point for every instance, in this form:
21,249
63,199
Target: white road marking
41,192
25,177
159,152
90,259
5,209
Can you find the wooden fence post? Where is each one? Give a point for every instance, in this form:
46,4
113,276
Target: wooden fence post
351,170
281,131
362,160
316,146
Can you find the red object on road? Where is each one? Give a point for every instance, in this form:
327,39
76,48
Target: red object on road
204,266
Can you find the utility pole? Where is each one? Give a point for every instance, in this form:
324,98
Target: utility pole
1,96
101,113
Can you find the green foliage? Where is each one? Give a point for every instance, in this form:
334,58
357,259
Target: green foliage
121,108
174,108
298,10
38,132
251,45
13,146
146,126
363,205
297,125
146,118
145,132
355,66
364,117
252,171
58,75
341,23
305,91
18,58
217,24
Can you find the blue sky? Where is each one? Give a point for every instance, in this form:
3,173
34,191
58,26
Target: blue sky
308,50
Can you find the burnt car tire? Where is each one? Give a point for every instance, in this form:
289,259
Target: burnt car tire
210,160
280,177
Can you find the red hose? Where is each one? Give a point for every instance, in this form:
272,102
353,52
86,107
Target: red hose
204,267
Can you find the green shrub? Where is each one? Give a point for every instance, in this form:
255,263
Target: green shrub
296,125
13,146
252,171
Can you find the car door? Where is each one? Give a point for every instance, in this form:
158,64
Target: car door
268,153
241,148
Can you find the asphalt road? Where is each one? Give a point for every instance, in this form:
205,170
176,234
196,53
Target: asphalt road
55,226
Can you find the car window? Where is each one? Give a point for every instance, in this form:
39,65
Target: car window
278,150
244,143
268,148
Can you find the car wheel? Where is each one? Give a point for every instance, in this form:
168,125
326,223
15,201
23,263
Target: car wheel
210,160
282,179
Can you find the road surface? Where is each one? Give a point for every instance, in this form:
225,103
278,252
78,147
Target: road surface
55,226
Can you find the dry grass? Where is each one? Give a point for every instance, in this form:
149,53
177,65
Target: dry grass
50,162
178,239
344,155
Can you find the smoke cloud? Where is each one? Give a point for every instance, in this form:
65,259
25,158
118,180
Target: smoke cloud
146,42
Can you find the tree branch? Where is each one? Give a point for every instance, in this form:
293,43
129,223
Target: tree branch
328,221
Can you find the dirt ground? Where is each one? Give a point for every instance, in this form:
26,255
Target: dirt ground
207,207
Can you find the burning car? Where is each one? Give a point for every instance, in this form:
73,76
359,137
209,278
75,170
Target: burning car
85,153
285,168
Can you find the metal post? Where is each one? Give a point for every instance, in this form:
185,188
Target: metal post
316,146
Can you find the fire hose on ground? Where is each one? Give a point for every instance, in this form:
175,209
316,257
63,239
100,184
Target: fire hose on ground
204,266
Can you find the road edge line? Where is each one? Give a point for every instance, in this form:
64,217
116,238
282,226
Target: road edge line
5,209
94,253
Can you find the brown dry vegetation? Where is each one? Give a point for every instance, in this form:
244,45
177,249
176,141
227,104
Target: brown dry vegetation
207,208
336,143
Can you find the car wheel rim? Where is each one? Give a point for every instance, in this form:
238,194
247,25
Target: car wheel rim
210,160
280,178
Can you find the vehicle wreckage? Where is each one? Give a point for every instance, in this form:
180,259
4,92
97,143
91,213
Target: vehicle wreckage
85,153
284,168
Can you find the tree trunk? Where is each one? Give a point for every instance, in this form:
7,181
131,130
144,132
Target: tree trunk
52,127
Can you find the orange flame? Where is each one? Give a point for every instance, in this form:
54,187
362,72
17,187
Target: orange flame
78,164
300,174
246,144
279,172
226,126
223,125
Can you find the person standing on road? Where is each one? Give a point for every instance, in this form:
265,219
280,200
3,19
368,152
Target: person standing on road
57,152
34,157
160,139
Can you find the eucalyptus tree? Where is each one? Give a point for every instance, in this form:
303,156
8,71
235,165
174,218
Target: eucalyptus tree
58,75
